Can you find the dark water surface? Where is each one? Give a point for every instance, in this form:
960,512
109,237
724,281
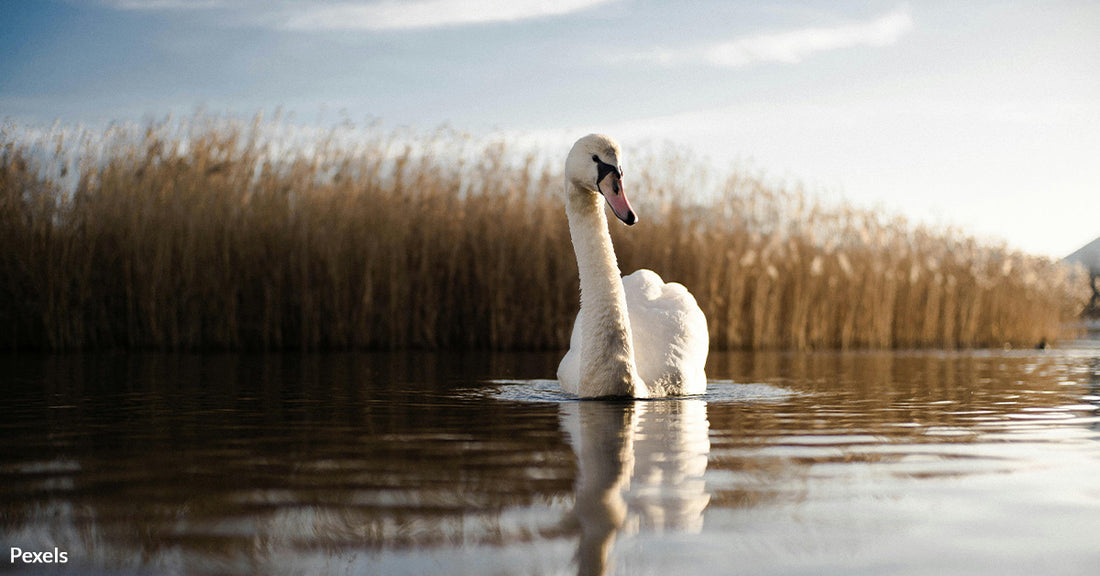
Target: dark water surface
830,463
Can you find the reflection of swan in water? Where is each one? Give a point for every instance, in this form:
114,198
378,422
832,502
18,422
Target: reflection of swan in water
640,467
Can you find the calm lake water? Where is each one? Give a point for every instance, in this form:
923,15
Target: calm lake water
981,462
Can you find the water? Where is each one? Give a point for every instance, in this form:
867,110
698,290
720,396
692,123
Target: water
832,463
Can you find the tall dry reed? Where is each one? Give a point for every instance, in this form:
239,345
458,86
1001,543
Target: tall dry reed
210,234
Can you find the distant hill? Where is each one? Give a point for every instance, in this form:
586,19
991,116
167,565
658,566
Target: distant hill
1088,256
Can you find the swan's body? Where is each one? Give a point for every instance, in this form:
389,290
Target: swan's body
635,336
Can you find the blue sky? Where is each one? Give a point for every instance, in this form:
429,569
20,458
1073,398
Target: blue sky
981,114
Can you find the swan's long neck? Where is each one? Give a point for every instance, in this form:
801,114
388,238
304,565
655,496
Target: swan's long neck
607,352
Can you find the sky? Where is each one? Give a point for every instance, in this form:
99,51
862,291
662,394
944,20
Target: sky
981,115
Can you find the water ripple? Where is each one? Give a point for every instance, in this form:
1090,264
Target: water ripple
718,391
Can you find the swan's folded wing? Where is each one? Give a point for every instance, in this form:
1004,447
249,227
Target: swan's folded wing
569,370
670,334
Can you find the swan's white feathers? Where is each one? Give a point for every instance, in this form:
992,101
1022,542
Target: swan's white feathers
670,335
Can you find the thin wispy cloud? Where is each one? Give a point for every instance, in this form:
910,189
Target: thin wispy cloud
313,15
791,46
154,5
391,15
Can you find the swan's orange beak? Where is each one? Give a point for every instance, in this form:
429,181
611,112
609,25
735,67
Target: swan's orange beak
611,186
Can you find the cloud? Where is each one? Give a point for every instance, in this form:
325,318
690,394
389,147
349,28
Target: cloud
313,15
791,46
154,5
393,15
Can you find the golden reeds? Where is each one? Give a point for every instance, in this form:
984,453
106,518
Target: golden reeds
211,234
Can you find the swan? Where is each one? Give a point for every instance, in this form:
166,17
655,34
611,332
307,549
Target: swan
634,336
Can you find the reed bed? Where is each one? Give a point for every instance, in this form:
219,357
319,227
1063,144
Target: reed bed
214,234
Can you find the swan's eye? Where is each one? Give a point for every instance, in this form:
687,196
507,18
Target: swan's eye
595,158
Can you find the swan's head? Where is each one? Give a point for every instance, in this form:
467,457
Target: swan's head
593,168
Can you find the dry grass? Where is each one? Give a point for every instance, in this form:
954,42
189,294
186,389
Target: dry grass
209,234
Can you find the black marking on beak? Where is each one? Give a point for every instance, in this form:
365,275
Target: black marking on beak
603,169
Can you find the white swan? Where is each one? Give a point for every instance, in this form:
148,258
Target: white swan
634,336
